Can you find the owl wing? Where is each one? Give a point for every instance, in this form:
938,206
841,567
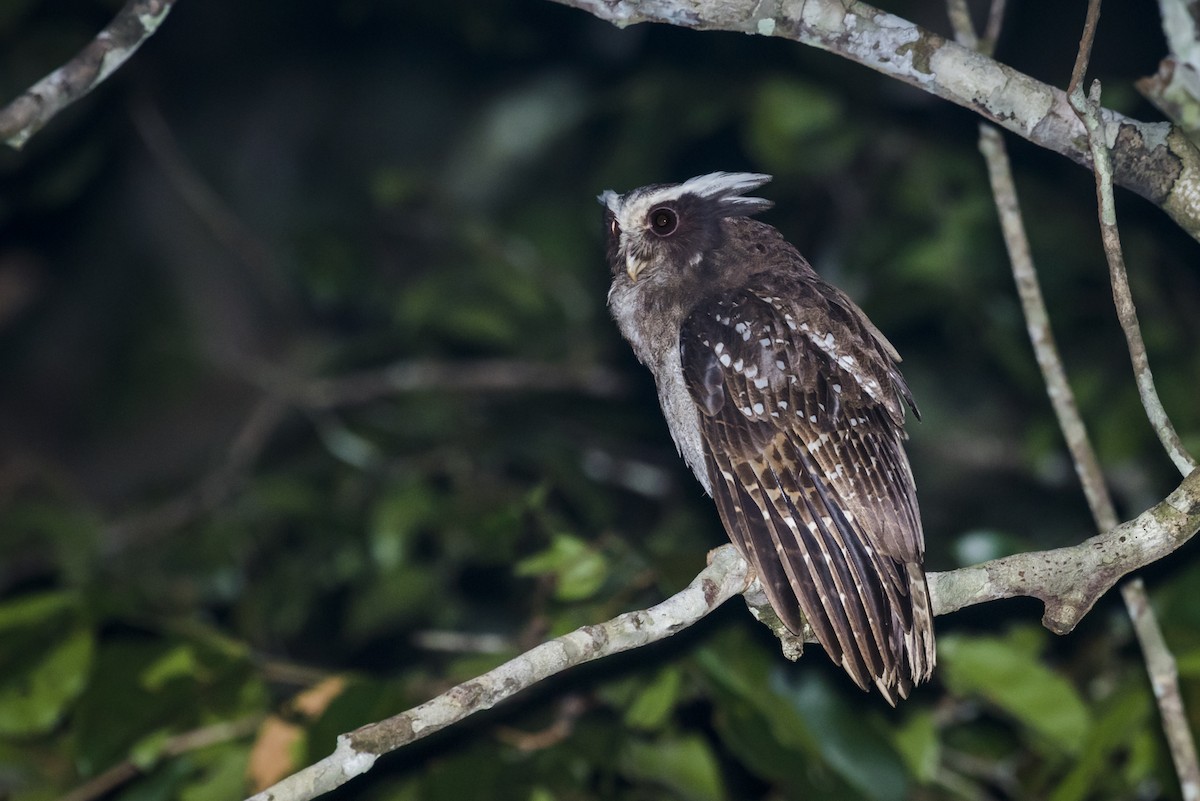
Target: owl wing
801,415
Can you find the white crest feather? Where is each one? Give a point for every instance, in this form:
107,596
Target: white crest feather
729,186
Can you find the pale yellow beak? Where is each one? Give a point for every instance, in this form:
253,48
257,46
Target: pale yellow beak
632,268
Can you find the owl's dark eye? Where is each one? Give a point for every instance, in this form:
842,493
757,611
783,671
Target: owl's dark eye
663,221
614,227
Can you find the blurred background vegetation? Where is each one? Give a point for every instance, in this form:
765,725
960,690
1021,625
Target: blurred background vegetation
310,407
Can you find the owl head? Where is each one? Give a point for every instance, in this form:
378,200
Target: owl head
657,230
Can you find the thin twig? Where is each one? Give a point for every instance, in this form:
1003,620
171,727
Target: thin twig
1086,464
1089,112
1160,664
1037,321
570,709
1084,54
1164,679
104,783
486,375
960,19
199,196
991,33
134,24
321,395
212,490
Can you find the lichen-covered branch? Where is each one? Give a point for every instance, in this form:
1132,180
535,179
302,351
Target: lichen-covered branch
1156,160
1160,664
1088,109
1175,88
727,575
135,23
1068,580
1164,680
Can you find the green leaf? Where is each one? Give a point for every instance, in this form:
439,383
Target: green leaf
1124,718
179,662
35,610
391,599
395,519
742,672
222,777
1188,663
45,663
1010,674
146,752
577,567
848,743
774,716
652,706
917,741
685,765
164,782
142,690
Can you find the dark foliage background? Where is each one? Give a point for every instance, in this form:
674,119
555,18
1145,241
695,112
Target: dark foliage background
273,195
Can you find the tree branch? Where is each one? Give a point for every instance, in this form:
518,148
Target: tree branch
1088,110
284,390
1041,336
484,375
1164,680
726,575
1068,580
1155,160
1160,664
1175,88
133,25
1084,53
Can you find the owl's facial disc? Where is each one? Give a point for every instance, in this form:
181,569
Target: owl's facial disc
644,218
